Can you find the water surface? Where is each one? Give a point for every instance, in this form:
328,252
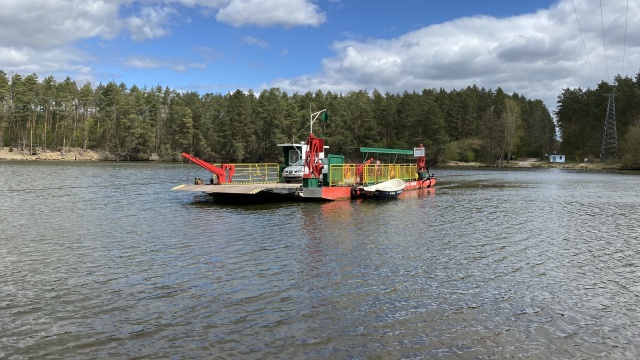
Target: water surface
103,260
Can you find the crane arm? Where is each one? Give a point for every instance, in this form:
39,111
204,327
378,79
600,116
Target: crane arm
220,172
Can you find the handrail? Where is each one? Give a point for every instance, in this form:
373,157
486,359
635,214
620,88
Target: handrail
345,174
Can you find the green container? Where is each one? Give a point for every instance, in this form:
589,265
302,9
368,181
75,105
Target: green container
333,159
310,182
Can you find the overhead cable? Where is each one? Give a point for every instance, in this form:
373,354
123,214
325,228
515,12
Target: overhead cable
624,47
604,42
583,43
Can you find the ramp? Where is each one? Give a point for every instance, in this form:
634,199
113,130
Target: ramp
241,189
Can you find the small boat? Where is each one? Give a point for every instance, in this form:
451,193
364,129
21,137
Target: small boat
389,189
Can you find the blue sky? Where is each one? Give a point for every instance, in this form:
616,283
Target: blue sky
533,47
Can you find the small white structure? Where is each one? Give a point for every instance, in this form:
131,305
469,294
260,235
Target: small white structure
557,158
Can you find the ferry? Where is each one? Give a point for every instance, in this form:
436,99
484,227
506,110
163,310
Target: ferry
324,178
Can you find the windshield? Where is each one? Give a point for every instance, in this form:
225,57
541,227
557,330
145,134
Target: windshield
298,163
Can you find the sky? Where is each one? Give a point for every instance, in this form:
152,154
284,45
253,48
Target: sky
535,48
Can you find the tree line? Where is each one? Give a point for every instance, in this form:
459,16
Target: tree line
132,123
581,115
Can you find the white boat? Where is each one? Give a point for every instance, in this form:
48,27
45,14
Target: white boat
389,189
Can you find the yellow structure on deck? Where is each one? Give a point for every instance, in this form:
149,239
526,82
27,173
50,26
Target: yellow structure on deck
255,173
339,174
346,174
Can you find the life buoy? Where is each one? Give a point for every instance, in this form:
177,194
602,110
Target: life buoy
347,172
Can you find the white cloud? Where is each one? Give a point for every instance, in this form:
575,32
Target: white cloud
14,57
58,60
52,23
265,13
536,55
150,23
142,62
48,24
203,3
45,36
255,41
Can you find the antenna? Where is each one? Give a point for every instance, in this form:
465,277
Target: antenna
609,149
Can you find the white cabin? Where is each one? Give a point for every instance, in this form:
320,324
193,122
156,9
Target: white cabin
557,158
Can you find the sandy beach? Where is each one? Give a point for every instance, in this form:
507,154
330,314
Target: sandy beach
70,154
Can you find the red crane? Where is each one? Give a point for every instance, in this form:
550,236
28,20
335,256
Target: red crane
224,174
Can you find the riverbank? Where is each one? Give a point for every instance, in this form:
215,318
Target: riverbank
537,163
72,154
78,154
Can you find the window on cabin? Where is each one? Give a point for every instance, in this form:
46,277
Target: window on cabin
294,156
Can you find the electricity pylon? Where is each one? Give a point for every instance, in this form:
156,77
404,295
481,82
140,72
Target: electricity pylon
609,149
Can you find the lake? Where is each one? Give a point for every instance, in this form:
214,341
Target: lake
104,260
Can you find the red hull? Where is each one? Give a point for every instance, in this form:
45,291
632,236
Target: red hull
346,192
336,193
420,184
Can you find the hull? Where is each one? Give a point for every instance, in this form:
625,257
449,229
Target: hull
389,189
282,192
384,195
420,184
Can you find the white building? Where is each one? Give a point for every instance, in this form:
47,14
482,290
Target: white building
557,158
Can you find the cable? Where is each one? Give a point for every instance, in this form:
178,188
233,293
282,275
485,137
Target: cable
604,42
624,47
583,43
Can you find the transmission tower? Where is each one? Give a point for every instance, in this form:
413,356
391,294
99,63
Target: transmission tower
609,149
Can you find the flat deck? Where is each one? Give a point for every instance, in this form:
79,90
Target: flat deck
243,189
276,192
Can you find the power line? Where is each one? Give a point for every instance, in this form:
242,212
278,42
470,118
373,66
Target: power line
624,47
604,42
583,42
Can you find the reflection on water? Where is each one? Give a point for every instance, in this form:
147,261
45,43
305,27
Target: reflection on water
103,260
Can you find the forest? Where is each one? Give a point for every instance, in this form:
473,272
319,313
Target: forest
131,123
581,115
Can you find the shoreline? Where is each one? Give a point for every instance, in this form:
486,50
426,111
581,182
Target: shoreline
69,154
537,163
78,154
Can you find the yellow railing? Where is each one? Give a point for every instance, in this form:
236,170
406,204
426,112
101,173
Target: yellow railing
257,173
345,174
342,174
339,174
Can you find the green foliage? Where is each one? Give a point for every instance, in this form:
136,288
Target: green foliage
631,148
465,150
166,154
581,115
472,124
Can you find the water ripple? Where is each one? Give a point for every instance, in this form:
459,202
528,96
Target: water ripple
491,264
